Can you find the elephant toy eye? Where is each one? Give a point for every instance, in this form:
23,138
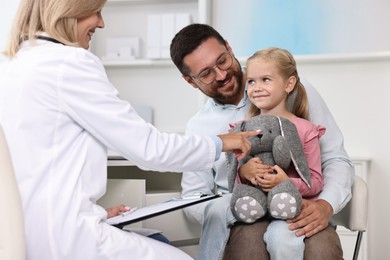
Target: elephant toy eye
260,136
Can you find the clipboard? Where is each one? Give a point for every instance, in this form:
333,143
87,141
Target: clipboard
157,209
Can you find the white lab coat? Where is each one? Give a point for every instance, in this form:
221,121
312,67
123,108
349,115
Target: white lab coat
60,114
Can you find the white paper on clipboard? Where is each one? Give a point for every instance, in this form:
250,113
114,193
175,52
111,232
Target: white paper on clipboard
157,209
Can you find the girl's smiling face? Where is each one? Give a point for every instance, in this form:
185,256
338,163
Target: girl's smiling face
86,28
267,89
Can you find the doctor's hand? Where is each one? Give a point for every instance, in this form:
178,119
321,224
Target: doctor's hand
238,143
115,211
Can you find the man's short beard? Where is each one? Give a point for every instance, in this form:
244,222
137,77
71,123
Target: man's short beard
239,77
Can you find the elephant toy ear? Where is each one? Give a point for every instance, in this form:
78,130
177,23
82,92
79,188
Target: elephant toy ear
298,157
281,152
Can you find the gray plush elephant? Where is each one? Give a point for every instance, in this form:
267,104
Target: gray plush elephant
277,144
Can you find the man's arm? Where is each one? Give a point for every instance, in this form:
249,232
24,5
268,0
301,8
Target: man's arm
194,182
337,167
337,170
207,121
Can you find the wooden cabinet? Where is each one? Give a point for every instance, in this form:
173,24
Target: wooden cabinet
129,185
130,18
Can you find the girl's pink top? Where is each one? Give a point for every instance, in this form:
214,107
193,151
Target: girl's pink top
309,135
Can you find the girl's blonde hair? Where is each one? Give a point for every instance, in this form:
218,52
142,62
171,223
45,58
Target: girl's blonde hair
286,66
57,18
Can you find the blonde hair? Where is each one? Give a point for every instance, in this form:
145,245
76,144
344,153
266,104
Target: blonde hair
57,18
286,66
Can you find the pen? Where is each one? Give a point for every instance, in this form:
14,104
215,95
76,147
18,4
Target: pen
128,212
195,195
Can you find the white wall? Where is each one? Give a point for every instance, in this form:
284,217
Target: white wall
304,26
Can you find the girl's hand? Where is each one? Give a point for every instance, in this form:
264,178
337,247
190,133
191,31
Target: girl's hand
251,169
269,180
115,211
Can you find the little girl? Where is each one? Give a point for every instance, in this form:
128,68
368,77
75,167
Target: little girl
273,86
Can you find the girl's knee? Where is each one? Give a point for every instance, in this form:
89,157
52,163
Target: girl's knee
279,234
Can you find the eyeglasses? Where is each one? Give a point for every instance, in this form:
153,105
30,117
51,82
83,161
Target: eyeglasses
209,75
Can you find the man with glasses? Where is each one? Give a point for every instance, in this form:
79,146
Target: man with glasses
209,75
207,62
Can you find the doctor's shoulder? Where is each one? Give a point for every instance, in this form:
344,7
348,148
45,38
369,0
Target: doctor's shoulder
79,58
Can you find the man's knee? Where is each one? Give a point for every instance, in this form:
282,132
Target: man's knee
246,242
324,245
219,210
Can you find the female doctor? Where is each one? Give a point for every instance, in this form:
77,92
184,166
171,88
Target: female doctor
60,114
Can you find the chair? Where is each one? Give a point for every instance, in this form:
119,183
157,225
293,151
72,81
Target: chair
12,240
354,214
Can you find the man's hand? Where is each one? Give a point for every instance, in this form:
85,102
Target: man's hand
115,211
238,143
314,217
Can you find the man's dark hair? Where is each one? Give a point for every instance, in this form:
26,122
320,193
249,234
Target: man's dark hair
188,39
